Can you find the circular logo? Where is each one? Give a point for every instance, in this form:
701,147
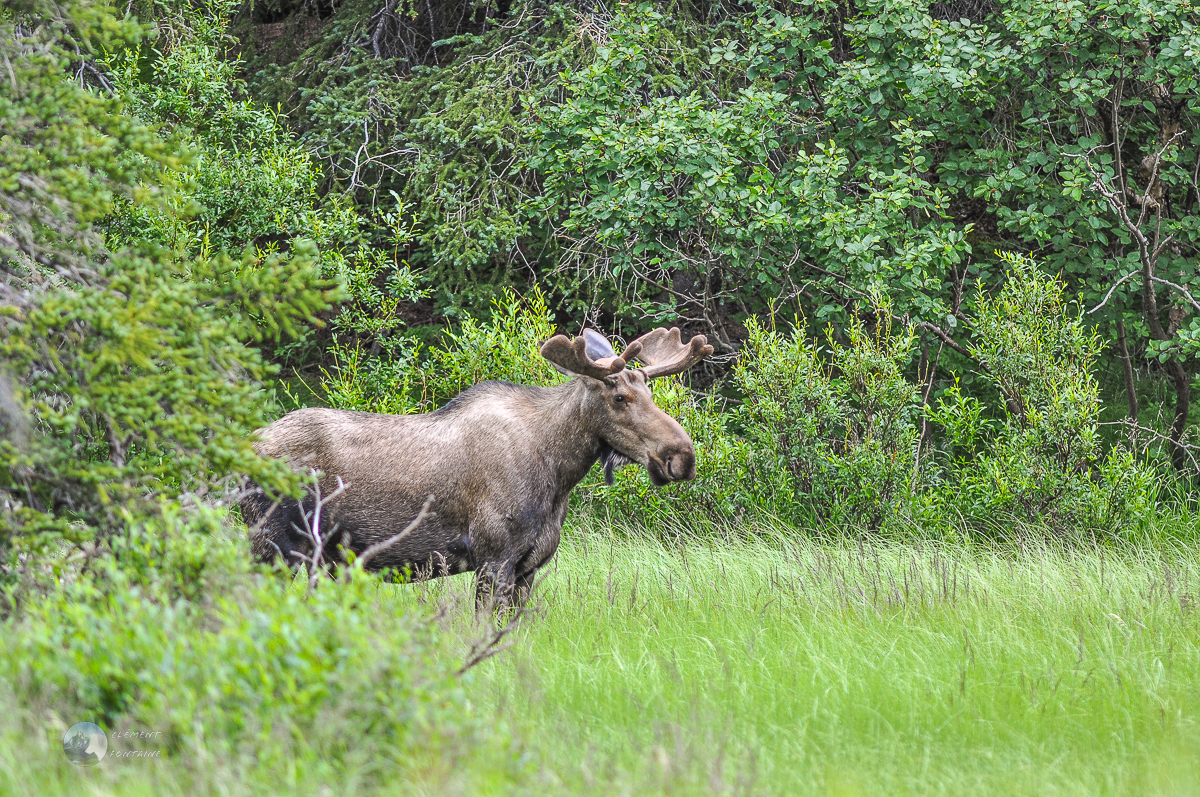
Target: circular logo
85,744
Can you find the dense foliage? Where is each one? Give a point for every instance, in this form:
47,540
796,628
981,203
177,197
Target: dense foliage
702,163
131,384
170,241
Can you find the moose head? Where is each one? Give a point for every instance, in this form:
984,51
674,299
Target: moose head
618,407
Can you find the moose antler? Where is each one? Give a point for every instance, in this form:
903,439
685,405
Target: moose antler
663,353
590,354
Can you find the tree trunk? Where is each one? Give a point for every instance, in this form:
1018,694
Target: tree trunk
1183,387
1130,384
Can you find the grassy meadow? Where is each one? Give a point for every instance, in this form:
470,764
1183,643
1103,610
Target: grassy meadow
768,663
781,666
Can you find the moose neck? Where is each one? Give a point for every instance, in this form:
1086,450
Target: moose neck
566,438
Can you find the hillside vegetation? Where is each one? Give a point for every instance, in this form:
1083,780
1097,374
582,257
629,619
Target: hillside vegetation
943,535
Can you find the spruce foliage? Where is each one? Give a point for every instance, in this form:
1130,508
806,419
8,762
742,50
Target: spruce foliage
132,382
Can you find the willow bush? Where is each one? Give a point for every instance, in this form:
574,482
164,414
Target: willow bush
829,431
1042,457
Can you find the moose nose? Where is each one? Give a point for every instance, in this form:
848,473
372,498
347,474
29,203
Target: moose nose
681,465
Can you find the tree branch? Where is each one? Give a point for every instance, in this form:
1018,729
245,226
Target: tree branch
1116,285
944,338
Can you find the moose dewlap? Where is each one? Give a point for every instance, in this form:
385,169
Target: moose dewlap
493,468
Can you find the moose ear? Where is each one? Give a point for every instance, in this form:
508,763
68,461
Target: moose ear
597,346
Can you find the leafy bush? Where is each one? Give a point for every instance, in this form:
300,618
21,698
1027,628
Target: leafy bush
685,173
1042,459
842,429
815,441
505,347
178,634
134,378
429,101
249,183
245,180
829,435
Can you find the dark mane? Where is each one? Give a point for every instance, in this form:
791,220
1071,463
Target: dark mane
483,390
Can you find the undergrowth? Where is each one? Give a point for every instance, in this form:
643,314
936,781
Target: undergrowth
659,661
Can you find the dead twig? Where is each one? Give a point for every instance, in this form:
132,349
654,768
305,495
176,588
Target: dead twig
312,529
1180,445
490,645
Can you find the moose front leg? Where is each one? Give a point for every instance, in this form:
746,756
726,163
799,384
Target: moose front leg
534,559
503,587
507,591
495,584
522,588
519,547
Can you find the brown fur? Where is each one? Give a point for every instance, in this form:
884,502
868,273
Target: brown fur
500,461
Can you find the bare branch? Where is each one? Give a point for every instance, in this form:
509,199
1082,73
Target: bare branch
1181,289
1164,244
489,646
1178,445
944,338
1116,285
312,529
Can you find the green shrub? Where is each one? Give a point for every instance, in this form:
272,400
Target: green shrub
840,431
828,436
816,441
179,634
246,179
249,183
135,380
505,347
1038,456
358,381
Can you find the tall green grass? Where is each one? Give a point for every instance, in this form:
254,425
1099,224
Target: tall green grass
776,665
767,663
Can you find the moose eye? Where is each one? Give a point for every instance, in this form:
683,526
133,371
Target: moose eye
619,399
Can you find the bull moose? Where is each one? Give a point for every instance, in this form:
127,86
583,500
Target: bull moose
497,464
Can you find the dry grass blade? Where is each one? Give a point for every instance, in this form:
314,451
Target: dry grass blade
490,645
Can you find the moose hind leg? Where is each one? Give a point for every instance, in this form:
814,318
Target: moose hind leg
267,523
281,535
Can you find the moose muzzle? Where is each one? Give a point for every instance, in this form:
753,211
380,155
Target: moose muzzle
674,464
